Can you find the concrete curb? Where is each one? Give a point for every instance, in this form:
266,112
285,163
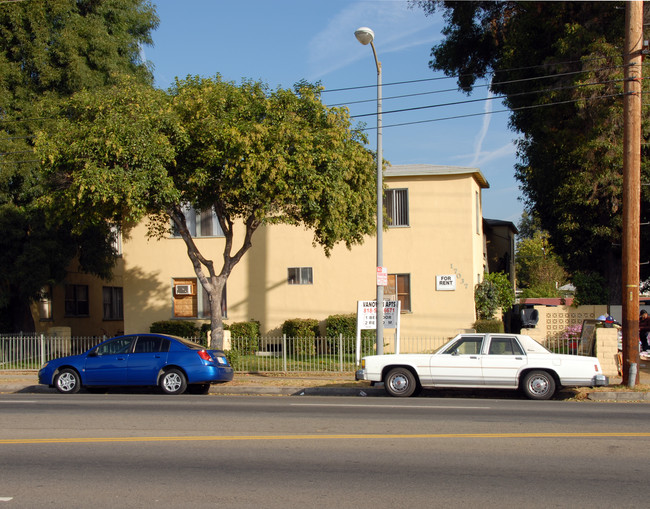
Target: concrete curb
269,390
619,396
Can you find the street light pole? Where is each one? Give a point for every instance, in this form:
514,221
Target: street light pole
366,36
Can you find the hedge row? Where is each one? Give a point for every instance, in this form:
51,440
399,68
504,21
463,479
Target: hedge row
303,334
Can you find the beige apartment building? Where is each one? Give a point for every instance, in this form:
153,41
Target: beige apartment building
434,250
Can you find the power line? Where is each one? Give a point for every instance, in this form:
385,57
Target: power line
456,76
468,115
469,101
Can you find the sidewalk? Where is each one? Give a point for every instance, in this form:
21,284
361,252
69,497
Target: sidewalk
342,384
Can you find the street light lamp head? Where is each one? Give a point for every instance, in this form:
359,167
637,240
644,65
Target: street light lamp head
364,35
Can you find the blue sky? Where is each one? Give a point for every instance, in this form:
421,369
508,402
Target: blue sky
281,42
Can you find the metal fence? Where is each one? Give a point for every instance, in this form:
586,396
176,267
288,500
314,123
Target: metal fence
25,352
282,354
288,354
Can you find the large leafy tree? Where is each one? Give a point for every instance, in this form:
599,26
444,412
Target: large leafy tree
50,49
254,156
558,66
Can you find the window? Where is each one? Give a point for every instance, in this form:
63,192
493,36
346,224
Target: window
113,303
116,347
193,303
478,214
151,344
505,346
300,276
466,346
399,288
397,207
76,300
116,239
200,223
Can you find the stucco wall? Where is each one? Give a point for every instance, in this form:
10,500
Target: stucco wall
441,239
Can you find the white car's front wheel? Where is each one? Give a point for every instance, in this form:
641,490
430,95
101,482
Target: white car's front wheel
400,382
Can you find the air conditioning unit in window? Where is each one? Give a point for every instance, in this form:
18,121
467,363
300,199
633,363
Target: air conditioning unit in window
183,290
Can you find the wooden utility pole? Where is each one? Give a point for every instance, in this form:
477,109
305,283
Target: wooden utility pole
632,188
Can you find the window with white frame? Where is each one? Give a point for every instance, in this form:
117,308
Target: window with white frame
200,223
300,276
397,207
116,239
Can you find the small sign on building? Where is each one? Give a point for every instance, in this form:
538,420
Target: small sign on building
446,283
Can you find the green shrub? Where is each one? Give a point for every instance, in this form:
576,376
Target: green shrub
245,336
182,328
493,292
346,325
494,326
301,335
234,358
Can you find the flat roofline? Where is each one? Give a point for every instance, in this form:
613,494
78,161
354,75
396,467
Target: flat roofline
417,170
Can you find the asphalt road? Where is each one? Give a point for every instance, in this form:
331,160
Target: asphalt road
146,450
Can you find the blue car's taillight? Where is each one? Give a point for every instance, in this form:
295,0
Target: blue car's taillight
204,355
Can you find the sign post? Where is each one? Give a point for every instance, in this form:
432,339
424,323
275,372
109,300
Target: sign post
367,320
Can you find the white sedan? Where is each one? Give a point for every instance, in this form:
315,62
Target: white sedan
489,361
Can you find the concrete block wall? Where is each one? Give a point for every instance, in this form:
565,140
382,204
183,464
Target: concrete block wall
607,350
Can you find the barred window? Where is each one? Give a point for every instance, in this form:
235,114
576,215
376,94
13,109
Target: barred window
300,276
397,207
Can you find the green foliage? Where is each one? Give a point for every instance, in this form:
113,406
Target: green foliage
252,155
184,329
346,325
245,336
570,154
538,268
301,335
50,49
234,359
495,291
491,326
591,289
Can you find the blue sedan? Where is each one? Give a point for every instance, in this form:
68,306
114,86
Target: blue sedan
172,363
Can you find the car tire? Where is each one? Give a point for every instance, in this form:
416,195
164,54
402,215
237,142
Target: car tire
198,388
67,381
173,382
400,383
539,385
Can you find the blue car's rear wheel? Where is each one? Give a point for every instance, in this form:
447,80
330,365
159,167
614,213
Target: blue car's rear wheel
173,382
67,381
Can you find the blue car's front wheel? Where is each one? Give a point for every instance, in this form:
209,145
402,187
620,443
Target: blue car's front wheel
173,382
67,381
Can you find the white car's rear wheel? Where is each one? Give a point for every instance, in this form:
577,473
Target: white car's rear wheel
539,385
400,382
